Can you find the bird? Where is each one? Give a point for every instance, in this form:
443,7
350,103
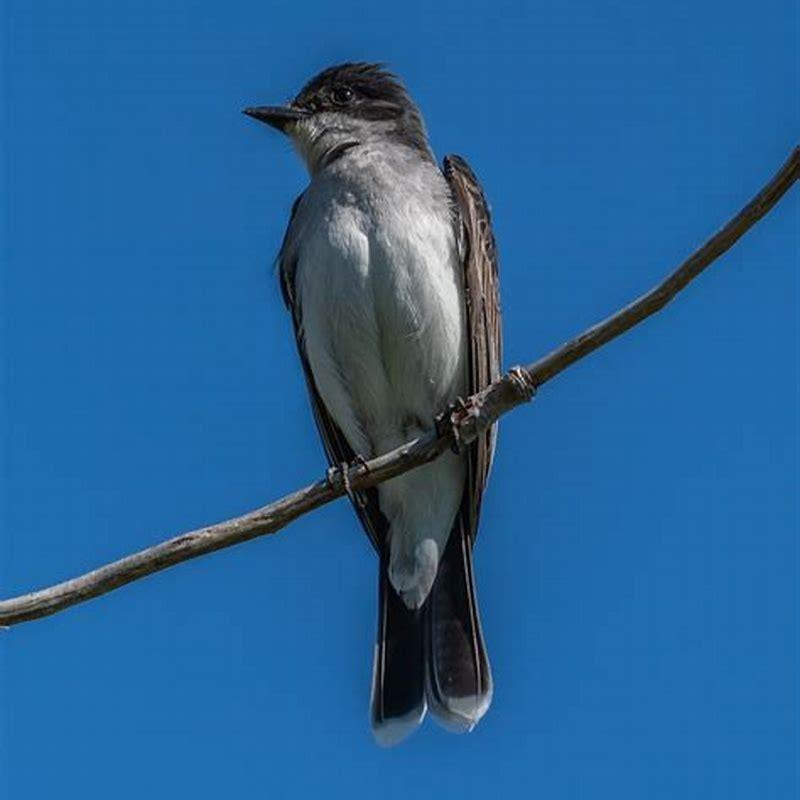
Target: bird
388,268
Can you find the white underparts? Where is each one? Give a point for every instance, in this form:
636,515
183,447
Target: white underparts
380,294
421,506
412,568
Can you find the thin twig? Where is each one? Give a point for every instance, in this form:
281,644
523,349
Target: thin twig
484,408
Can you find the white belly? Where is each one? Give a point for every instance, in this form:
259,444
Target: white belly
382,310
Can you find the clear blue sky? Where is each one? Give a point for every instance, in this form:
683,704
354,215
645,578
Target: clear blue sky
638,560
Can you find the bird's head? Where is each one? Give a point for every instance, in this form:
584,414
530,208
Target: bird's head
346,106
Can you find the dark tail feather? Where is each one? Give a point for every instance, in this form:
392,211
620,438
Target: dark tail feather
398,678
459,680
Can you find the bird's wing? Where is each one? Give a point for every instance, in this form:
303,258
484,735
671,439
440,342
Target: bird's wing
336,446
481,284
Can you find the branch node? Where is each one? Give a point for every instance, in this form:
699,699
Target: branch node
523,383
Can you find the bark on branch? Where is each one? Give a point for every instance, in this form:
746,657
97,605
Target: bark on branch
513,389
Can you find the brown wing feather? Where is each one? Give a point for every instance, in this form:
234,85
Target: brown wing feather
483,314
336,446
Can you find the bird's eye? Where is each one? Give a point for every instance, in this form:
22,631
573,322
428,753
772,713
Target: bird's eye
341,95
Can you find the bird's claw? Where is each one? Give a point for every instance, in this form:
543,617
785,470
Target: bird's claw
340,475
331,475
448,422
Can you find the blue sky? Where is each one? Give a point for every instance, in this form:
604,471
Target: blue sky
638,560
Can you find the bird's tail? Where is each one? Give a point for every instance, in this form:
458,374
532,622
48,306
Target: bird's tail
459,679
432,657
398,676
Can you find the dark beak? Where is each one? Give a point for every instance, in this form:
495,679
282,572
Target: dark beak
279,117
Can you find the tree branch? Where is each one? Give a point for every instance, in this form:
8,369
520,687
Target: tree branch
484,408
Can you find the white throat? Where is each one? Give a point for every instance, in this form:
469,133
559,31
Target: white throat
320,137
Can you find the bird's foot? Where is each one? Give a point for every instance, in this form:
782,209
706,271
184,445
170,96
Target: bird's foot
449,421
361,462
340,475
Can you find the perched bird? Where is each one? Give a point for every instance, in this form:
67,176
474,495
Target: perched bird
389,270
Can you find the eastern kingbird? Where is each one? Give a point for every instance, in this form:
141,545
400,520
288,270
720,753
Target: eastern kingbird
389,270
